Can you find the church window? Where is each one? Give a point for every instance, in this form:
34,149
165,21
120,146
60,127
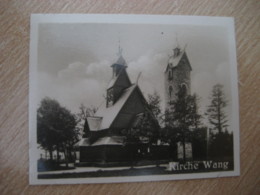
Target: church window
183,89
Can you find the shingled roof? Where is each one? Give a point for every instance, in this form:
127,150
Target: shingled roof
109,140
174,61
106,115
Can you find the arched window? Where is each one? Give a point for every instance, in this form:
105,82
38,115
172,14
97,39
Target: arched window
170,91
183,89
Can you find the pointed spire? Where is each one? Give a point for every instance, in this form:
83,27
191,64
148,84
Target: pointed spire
120,59
176,37
120,50
177,49
185,47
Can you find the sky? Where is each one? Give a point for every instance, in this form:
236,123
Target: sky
74,59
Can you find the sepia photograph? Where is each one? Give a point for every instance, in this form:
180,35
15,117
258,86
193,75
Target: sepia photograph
126,98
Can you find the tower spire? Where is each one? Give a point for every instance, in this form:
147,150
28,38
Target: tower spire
120,50
177,42
120,64
176,49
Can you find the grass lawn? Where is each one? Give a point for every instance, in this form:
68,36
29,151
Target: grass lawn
156,170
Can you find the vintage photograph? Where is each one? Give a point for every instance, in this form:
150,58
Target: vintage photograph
124,98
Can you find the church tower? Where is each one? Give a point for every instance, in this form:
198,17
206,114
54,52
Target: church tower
119,81
176,75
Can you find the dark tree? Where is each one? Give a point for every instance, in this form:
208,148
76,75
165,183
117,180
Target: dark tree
183,118
154,101
195,116
216,110
146,127
56,128
221,145
147,124
199,143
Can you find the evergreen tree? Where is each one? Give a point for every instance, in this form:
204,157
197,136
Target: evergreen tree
182,117
216,110
195,116
154,101
221,145
147,124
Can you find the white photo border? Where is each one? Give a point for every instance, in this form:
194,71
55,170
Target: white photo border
37,19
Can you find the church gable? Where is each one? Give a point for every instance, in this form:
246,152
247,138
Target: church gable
121,81
184,62
133,106
177,75
181,60
116,87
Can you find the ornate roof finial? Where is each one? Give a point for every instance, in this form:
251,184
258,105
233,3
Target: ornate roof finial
176,50
176,37
120,59
120,50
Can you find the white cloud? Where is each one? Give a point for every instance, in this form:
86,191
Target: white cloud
76,70
81,83
152,68
78,83
202,84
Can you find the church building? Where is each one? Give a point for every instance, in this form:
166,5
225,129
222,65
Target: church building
120,112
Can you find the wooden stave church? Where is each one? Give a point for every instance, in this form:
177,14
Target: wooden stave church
121,111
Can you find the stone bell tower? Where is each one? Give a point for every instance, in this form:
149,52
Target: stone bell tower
176,75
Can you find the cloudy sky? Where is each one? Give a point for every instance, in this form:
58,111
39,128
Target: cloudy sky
74,59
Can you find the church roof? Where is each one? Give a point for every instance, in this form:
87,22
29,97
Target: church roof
108,114
114,80
121,61
174,61
109,140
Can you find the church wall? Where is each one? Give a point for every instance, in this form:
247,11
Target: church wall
122,82
123,120
180,75
92,154
134,104
107,153
125,153
132,107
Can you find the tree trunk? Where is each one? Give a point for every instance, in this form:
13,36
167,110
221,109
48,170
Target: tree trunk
58,154
69,154
66,156
51,155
